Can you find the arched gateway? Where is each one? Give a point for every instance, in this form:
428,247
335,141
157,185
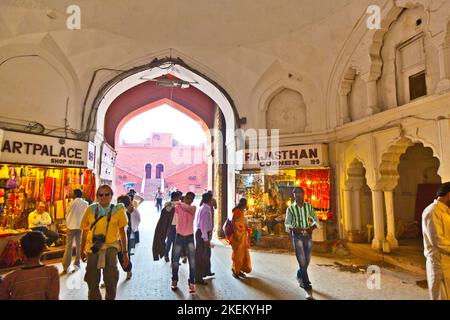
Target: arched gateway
141,86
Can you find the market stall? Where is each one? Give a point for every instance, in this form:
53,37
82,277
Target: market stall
37,169
267,180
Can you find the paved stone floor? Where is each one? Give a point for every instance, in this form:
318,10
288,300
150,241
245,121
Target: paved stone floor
273,277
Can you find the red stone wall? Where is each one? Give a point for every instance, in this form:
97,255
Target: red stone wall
181,164
184,180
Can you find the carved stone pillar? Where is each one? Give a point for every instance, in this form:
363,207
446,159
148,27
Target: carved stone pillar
372,98
345,89
442,43
378,220
356,206
220,173
348,224
389,201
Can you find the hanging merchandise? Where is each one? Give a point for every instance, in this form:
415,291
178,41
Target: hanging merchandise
269,194
26,186
12,182
59,205
4,172
48,188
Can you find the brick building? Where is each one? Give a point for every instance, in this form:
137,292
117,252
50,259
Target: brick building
161,160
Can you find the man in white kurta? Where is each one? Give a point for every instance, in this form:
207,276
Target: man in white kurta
436,238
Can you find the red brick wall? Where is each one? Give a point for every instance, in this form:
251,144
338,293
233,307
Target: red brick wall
180,160
129,178
181,179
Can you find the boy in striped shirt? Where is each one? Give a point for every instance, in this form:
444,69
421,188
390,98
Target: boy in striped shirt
300,222
35,281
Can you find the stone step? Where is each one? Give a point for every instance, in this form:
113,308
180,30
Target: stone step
407,258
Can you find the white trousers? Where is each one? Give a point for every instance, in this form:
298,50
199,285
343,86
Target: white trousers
438,278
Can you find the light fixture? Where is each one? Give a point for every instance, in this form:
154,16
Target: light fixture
170,83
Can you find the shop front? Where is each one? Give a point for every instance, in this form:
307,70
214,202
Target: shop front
37,168
267,179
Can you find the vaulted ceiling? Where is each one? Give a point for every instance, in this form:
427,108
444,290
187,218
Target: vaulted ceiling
236,43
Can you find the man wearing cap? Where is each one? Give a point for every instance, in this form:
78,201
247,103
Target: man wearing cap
436,242
300,222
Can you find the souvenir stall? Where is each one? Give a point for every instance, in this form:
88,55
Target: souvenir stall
267,180
24,183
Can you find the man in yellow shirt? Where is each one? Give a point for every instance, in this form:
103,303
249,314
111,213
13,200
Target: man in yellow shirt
103,225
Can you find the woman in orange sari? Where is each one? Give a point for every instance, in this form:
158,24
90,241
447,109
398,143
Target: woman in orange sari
240,242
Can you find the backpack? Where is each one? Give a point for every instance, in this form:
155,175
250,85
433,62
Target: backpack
11,255
228,228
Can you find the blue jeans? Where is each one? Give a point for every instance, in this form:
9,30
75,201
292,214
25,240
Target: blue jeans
187,243
170,240
159,203
303,247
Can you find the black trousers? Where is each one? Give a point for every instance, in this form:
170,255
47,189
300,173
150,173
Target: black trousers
208,253
201,257
50,235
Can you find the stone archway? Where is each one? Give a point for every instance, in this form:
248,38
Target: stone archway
204,98
418,173
384,202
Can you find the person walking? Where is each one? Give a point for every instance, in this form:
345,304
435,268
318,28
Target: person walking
172,230
203,227
159,195
35,281
75,212
436,243
134,218
209,273
136,200
103,236
240,241
300,222
184,239
165,230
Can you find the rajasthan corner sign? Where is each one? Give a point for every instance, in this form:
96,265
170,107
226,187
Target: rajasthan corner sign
32,149
314,155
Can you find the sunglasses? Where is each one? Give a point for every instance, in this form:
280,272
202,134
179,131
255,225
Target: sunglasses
103,194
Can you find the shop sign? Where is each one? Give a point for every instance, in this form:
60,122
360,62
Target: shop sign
91,156
315,155
108,160
32,149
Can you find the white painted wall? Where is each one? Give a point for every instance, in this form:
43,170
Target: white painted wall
254,50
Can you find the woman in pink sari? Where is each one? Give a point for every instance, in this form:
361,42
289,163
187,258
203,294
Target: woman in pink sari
240,241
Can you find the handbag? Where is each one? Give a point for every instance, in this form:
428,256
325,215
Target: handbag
120,257
228,228
11,255
12,182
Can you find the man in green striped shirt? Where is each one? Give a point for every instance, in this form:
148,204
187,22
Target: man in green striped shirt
300,222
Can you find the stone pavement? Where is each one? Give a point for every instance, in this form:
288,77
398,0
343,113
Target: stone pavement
273,277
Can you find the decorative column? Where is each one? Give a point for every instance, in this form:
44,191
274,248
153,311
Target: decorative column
348,223
378,220
444,149
389,201
372,98
356,206
345,89
442,43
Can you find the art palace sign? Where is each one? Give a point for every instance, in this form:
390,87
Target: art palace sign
32,149
315,155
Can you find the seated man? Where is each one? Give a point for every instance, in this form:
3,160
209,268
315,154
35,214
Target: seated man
38,220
